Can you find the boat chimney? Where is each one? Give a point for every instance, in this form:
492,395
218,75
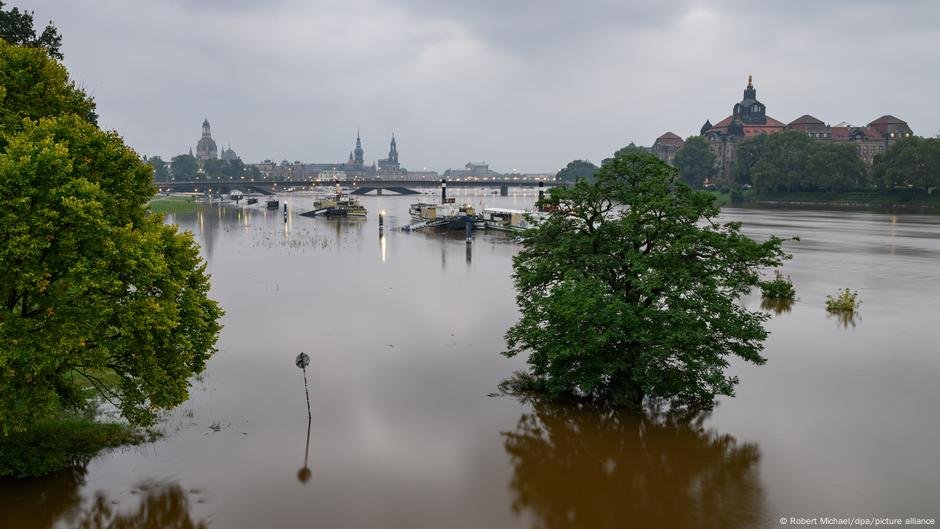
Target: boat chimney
443,190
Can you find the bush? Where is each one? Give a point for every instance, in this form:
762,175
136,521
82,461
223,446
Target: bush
845,301
59,444
778,288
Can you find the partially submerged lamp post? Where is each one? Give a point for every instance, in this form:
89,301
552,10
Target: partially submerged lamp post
302,361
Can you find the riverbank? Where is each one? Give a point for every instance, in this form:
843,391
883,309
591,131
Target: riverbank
173,204
67,441
851,199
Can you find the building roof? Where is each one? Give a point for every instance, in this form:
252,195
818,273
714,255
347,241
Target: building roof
806,119
750,129
888,119
670,138
839,133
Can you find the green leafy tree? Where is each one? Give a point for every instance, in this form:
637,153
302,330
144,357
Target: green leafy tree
782,163
184,167
629,290
160,171
746,155
834,167
213,167
695,161
576,170
632,148
911,162
233,169
92,285
32,87
16,27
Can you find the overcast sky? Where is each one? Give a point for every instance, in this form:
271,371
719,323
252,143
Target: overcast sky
526,85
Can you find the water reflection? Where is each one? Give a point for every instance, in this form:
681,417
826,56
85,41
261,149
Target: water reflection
580,466
844,318
157,505
41,502
161,506
776,305
303,475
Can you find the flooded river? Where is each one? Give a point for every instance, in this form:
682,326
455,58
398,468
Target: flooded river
408,429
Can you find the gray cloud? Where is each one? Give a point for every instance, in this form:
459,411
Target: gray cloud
521,84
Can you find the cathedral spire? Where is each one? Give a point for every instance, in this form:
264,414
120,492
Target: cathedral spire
749,84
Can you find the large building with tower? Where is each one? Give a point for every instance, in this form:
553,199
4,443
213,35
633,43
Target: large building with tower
749,118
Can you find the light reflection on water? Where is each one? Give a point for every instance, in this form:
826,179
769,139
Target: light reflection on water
404,335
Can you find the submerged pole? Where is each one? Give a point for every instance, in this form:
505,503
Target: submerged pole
302,361
443,190
541,193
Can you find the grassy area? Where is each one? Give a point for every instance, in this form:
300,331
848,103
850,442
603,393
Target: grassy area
68,441
173,204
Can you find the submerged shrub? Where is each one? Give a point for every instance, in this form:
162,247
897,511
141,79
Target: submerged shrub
779,287
845,301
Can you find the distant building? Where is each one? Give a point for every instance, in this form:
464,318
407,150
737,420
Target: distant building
390,165
228,154
870,140
748,118
471,169
666,146
206,148
356,159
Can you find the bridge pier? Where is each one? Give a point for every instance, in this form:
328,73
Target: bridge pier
504,190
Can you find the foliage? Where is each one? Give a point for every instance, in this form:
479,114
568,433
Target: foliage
632,148
90,282
576,170
184,167
779,287
223,169
792,161
844,301
16,27
695,161
629,290
33,86
911,162
160,171
58,444
746,155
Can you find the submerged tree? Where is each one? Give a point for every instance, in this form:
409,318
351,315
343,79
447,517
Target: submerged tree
629,290
92,286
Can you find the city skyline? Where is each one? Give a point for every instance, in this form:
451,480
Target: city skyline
526,89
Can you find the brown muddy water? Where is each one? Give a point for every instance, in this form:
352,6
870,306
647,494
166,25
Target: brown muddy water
404,334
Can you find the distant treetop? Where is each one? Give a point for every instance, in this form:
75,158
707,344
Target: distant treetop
16,27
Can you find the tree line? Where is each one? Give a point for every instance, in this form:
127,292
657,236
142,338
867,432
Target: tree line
186,167
791,161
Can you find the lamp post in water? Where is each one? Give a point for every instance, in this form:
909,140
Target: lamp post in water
302,361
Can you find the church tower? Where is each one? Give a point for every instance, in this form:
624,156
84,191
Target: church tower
206,148
393,151
359,160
